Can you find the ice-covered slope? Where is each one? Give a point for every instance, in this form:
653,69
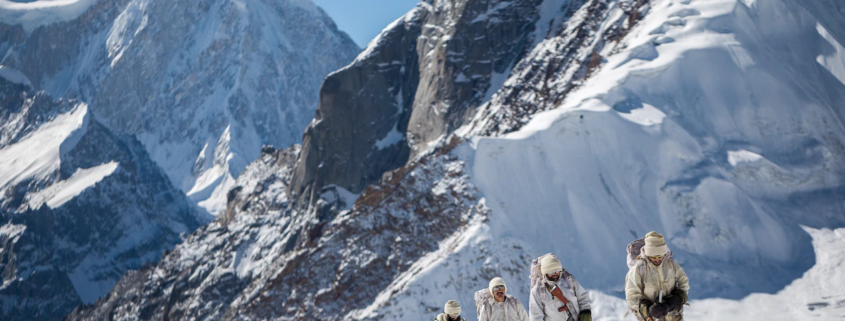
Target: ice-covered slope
817,295
726,138
202,84
79,206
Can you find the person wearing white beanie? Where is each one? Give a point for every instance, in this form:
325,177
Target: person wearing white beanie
559,297
451,312
656,287
493,303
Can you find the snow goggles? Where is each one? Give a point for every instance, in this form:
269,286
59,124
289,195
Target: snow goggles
498,287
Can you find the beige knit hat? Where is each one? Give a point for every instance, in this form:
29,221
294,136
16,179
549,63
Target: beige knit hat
655,244
452,308
496,282
550,264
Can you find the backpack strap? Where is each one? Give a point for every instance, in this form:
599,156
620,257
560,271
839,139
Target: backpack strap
556,292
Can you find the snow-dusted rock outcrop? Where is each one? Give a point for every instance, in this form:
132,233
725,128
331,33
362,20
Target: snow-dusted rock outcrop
266,259
203,84
79,206
436,69
414,84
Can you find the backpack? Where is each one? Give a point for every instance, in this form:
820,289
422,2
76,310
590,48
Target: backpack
536,276
634,250
482,297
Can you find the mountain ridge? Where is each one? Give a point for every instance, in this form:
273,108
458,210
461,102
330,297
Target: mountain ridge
80,205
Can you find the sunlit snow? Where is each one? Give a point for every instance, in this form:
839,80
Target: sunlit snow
37,13
23,160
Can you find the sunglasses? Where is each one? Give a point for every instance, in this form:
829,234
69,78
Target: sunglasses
498,287
656,257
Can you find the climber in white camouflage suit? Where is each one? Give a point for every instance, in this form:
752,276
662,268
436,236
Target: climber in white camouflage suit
656,286
558,296
451,312
493,303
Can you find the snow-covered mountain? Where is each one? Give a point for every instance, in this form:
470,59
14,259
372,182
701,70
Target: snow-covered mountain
718,123
203,84
79,205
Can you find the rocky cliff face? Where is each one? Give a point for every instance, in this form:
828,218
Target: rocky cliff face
80,205
437,68
414,84
203,84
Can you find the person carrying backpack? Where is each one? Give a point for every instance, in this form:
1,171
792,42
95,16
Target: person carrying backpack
493,303
555,294
656,286
451,312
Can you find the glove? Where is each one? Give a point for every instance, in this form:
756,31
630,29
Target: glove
658,311
585,315
675,300
643,308
680,293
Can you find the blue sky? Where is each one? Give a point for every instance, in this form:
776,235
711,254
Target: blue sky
364,19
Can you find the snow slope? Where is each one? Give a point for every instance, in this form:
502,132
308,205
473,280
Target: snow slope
816,295
651,142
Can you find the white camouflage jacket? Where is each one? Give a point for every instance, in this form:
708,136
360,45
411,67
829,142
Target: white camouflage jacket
543,306
645,281
510,310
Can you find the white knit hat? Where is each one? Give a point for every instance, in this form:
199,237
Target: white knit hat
550,264
655,244
452,308
496,282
